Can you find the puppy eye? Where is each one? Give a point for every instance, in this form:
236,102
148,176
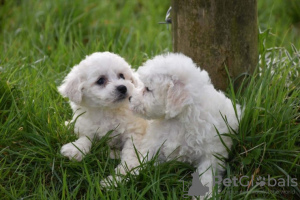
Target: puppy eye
147,89
121,76
101,81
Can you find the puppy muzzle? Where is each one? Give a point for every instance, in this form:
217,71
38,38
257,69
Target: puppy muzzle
122,89
121,92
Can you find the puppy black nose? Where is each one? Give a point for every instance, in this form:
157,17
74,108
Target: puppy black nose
130,98
122,89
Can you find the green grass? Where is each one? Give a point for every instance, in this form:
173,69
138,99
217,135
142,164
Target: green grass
282,17
41,40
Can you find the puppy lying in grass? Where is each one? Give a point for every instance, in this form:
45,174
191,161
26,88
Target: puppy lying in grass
98,89
187,113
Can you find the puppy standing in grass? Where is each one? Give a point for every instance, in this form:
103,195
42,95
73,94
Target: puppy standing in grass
98,89
186,110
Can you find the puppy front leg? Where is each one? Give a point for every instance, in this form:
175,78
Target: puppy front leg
134,152
114,154
76,150
129,159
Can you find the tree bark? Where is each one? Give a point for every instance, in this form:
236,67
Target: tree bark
215,34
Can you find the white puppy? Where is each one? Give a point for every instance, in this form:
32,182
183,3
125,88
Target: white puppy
98,89
186,110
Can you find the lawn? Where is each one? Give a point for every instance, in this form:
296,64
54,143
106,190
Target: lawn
40,41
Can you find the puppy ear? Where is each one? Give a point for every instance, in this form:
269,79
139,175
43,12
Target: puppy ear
71,88
177,99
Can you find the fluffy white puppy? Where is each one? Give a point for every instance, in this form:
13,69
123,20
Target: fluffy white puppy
98,89
186,110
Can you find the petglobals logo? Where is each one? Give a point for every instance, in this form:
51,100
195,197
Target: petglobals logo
198,189
247,181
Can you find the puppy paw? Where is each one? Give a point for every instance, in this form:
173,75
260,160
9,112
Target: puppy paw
110,181
73,152
67,123
114,154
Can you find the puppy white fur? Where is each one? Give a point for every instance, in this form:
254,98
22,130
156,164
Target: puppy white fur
98,89
186,110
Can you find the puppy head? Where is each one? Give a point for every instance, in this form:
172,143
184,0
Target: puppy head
165,94
102,79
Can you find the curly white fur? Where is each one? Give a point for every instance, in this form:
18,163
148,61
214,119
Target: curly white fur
98,89
186,110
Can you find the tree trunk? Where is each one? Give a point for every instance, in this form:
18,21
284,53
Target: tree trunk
215,34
